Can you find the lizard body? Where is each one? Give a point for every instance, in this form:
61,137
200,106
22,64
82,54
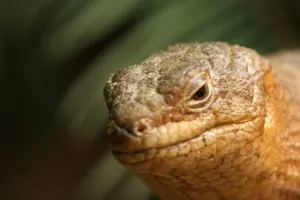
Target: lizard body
209,121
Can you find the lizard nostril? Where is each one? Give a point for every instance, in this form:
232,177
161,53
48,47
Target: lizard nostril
141,127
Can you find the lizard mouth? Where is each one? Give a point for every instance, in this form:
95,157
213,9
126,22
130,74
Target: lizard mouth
138,150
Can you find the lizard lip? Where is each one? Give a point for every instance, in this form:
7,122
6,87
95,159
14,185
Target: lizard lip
158,137
180,147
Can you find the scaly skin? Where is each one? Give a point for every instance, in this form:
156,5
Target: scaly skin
209,121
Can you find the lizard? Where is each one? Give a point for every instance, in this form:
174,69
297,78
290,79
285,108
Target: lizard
210,120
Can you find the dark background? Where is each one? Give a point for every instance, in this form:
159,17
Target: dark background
55,56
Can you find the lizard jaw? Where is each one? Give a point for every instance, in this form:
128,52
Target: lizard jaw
198,142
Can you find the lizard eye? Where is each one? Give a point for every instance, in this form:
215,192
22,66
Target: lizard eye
201,93
198,94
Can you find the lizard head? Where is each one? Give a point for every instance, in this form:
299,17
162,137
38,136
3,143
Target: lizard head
190,101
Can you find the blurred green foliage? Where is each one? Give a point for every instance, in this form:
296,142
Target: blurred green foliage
56,56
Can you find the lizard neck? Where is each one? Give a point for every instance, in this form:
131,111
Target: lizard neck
235,172
233,175
281,139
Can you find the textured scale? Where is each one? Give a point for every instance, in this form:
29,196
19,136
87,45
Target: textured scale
209,121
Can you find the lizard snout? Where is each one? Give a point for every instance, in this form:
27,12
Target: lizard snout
127,137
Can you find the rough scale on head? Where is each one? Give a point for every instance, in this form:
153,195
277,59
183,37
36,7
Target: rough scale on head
185,95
